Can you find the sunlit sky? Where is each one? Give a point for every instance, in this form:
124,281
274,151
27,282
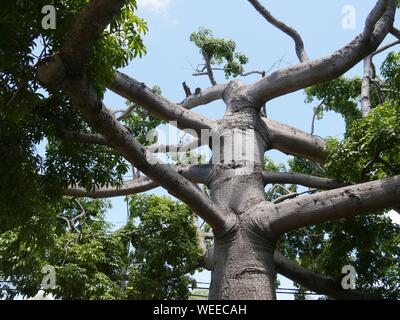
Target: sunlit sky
172,58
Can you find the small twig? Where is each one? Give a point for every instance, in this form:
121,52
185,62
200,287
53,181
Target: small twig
293,195
315,115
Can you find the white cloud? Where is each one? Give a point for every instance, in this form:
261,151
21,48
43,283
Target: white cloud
156,6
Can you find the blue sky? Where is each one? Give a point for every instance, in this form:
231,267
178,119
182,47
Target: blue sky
171,57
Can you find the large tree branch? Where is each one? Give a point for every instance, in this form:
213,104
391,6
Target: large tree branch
311,72
204,97
53,73
294,141
302,179
336,204
373,17
159,106
196,174
90,23
315,282
300,51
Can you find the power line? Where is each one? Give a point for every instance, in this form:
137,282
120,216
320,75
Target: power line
278,290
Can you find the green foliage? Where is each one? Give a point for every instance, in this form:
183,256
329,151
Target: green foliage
371,149
149,258
87,257
391,73
117,46
369,243
220,51
340,95
166,251
86,166
271,166
305,166
28,113
141,123
278,190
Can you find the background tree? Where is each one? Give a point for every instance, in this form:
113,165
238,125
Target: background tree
151,257
97,148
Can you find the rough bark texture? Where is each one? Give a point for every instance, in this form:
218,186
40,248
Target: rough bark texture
243,257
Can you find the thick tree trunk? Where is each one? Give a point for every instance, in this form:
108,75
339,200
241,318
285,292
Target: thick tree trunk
243,268
243,256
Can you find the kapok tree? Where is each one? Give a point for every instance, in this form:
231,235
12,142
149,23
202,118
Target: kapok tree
245,226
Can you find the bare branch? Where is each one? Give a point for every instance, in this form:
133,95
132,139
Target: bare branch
316,282
336,204
125,113
74,136
135,186
205,97
396,32
88,26
300,51
294,141
302,179
292,195
366,87
372,19
317,109
85,138
83,211
209,69
67,221
311,72
386,47
137,92
249,73
183,147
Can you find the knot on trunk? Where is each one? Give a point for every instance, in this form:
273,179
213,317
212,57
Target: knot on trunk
51,71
